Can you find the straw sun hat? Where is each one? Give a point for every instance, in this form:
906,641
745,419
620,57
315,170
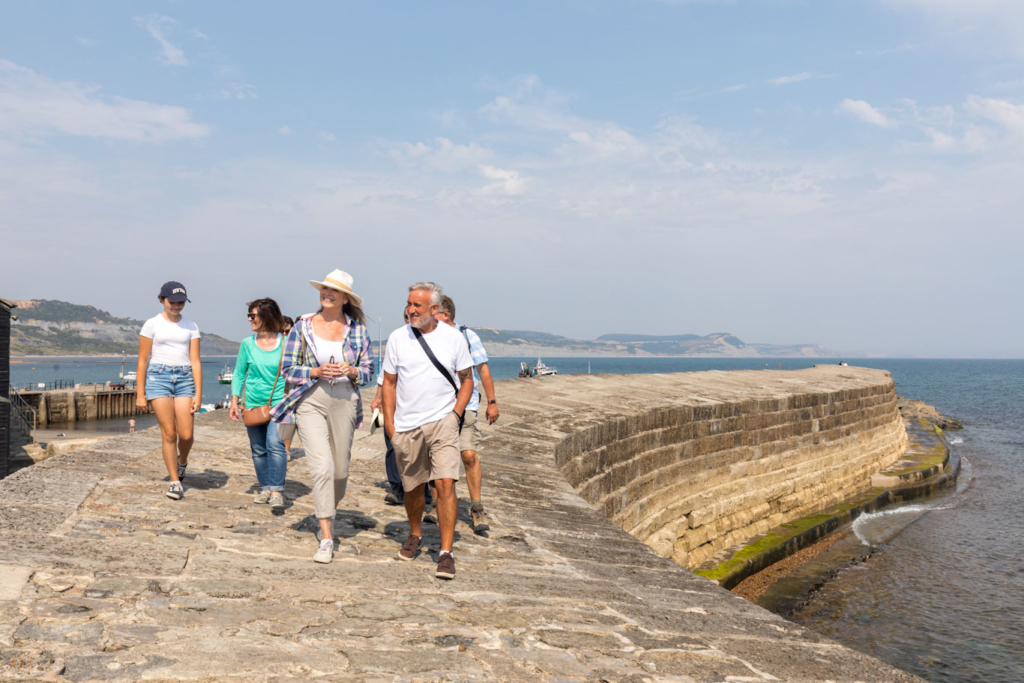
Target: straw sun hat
341,281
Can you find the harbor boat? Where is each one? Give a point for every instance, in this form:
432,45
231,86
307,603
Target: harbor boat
540,370
129,376
226,375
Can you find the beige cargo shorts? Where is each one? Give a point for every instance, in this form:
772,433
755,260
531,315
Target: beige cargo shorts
428,452
471,433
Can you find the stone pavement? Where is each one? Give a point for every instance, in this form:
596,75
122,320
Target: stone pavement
103,578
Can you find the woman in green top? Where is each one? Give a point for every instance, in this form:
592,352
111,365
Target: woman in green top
258,368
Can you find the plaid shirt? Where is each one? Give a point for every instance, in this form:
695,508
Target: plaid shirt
300,358
476,350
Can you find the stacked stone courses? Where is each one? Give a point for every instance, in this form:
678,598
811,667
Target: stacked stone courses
102,578
716,470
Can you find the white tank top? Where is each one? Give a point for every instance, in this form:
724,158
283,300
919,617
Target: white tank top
327,349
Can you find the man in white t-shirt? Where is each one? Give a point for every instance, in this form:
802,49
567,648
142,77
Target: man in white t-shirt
424,406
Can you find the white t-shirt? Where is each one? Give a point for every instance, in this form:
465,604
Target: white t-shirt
424,396
170,340
327,349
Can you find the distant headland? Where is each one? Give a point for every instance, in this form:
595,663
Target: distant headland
58,328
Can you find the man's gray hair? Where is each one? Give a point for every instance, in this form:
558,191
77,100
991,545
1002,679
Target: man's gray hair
432,287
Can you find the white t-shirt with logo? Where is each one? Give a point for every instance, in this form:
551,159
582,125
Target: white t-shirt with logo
424,395
170,340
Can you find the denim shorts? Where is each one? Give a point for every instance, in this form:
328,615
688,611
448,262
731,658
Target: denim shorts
169,381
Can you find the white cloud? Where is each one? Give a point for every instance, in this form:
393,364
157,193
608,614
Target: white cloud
534,107
238,91
440,154
31,104
199,35
86,42
327,137
795,78
1008,115
157,25
866,113
284,130
508,183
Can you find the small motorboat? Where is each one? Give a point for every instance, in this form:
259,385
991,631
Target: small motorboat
226,375
540,370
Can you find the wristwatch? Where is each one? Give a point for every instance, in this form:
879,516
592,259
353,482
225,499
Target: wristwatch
492,401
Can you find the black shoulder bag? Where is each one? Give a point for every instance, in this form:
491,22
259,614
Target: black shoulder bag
440,368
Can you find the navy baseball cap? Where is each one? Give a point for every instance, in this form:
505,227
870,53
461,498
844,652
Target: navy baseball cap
174,292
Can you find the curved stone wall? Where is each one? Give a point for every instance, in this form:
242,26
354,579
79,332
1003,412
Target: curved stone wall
728,456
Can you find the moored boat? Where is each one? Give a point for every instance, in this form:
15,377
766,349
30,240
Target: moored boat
226,375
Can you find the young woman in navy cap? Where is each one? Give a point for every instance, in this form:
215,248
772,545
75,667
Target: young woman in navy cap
170,378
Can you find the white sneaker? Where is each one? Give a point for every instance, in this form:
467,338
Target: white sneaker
276,500
326,552
175,491
261,498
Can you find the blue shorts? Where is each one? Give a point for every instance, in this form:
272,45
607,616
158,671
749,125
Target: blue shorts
169,381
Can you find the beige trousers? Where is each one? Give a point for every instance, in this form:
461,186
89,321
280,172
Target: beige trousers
326,421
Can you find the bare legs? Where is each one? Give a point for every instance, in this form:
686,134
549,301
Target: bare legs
474,473
446,505
174,415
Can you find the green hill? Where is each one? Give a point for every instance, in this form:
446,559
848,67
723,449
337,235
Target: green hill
57,328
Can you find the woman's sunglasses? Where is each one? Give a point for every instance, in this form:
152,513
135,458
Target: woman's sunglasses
252,316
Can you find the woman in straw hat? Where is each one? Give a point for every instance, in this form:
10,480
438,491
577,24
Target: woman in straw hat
326,359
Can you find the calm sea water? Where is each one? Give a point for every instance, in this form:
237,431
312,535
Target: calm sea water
943,595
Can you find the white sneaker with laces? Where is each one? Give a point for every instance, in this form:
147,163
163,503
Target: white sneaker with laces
276,500
261,498
175,491
326,552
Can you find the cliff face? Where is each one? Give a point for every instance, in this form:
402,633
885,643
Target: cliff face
728,456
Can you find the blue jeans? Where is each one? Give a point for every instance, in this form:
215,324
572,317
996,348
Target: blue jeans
394,478
268,456
169,381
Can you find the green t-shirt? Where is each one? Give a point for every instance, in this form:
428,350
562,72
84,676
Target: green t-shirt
257,369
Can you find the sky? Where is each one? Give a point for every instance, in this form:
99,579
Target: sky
843,173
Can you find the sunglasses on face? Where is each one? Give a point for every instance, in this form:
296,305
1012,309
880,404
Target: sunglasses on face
252,316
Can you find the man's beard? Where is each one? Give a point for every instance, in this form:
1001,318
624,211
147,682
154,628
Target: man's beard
420,322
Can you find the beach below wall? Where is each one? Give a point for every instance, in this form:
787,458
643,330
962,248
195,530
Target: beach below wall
106,579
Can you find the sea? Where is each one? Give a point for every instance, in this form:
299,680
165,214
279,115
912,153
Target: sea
939,589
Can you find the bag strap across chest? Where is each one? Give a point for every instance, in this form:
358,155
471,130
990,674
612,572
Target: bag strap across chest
433,359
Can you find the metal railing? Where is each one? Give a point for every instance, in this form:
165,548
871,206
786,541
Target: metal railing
22,410
49,386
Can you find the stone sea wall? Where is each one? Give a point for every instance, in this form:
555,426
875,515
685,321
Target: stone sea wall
728,456
103,578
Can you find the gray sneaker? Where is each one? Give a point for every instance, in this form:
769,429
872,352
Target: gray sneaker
325,553
261,498
175,491
276,500
181,471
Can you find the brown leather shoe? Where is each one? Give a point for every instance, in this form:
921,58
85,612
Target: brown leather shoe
411,548
479,520
446,567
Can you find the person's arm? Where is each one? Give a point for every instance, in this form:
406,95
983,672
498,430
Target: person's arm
197,373
389,398
465,391
145,349
238,379
488,382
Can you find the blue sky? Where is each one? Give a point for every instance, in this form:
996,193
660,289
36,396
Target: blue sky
845,173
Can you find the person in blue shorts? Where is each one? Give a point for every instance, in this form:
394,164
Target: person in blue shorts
170,380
